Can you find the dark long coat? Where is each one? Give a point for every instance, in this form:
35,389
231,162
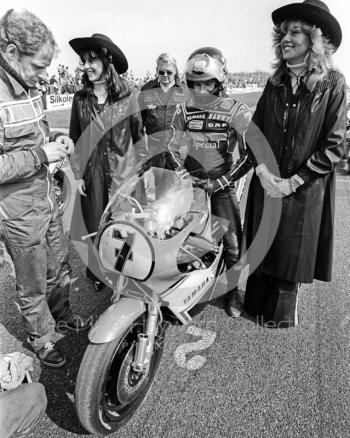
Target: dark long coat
306,133
109,144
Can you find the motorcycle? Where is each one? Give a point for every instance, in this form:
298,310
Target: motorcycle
162,253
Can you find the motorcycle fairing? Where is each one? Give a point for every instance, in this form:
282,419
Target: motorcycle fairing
187,293
126,248
171,268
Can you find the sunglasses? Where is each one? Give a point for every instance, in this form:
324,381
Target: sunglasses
168,72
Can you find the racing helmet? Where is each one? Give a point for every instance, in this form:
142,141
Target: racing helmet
206,63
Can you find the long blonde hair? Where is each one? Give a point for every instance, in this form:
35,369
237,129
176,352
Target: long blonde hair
318,61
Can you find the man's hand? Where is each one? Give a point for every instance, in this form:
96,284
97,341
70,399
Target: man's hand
13,367
198,182
209,185
81,187
68,142
182,173
55,151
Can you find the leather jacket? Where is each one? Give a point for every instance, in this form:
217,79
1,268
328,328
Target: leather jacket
157,111
210,135
24,175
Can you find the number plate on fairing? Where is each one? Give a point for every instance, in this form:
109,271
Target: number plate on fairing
126,249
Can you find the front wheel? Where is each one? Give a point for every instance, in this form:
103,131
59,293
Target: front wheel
108,391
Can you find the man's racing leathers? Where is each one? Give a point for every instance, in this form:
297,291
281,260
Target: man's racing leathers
208,137
30,223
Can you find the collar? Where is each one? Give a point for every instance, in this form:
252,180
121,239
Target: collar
166,89
296,70
19,86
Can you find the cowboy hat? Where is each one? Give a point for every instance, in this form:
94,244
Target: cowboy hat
312,12
98,41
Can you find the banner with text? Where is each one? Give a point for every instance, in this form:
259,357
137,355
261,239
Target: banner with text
57,101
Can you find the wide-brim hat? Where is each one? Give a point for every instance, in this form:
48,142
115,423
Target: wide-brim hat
312,12
98,41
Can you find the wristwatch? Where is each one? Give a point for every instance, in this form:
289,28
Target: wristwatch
292,185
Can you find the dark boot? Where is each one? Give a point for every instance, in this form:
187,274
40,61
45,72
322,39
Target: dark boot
74,324
51,356
233,303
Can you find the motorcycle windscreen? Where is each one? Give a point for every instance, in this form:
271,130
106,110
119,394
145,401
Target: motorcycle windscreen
158,201
156,205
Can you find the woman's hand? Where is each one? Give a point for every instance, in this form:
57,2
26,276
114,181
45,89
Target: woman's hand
81,187
286,187
282,189
268,180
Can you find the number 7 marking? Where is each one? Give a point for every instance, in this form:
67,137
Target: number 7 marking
125,252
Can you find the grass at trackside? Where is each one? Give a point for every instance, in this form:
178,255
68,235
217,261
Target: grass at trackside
60,118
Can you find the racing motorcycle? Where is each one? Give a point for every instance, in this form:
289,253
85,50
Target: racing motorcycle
162,254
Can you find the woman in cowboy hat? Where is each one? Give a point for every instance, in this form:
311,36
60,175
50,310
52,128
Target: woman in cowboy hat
302,116
106,128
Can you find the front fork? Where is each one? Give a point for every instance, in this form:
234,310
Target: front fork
145,341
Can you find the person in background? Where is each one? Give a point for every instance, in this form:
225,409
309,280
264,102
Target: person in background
302,115
42,87
30,222
212,125
157,100
112,146
53,86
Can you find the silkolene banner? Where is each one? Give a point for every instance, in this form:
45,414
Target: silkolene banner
59,100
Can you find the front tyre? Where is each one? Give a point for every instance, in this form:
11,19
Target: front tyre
108,391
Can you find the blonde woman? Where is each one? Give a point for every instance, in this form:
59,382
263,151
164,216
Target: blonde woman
157,101
302,115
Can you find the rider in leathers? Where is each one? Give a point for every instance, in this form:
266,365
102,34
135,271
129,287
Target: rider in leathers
211,124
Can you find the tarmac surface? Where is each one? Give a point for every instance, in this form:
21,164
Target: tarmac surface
249,382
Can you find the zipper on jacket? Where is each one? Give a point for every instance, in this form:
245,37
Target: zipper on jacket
47,168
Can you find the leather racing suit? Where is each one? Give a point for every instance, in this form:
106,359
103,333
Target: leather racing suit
211,135
30,222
